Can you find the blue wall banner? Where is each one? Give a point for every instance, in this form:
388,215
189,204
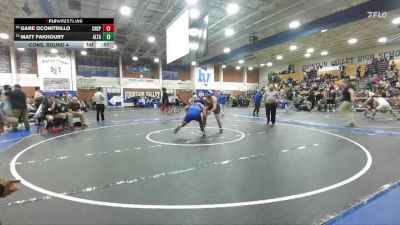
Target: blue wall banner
114,99
201,92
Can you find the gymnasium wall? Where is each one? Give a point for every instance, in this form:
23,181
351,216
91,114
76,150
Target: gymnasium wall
355,57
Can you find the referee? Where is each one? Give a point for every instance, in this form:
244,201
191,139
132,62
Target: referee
270,99
99,98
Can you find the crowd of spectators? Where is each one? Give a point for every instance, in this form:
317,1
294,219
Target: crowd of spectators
17,107
323,92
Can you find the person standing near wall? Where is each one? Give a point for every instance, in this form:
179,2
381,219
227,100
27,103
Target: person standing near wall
99,98
347,103
221,102
257,103
270,99
164,102
19,107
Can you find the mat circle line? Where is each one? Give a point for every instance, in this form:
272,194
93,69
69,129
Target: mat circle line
16,175
148,137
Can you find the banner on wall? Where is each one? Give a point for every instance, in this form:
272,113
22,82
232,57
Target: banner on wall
353,59
53,84
5,60
205,77
54,69
141,83
54,65
26,61
202,92
88,83
114,99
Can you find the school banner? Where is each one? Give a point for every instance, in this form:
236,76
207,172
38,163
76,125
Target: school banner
205,78
54,66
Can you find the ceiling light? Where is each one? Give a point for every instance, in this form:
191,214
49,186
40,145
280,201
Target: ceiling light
396,20
229,32
151,39
227,50
293,47
20,49
269,64
232,8
307,55
4,36
223,66
324,53
194,13
193,63
294,24
125,10
279,57
310,50
382,40
156,60
53,50
114,47
191,2
352,41
238,68
324,30
83,53
134,58
262,64
194,32
250,68
241,61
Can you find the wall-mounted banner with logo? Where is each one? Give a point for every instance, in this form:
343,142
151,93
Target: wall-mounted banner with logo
205,78
56,84
202,92
54,66
86,83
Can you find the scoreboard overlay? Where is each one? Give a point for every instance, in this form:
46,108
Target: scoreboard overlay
75,33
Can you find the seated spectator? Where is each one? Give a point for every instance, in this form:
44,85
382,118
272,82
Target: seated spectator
38,97
74,110
53,109
377,79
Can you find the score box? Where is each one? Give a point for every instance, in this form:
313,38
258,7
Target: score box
104,44
108,36
108,27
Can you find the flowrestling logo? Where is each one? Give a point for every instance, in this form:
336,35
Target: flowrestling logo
379,15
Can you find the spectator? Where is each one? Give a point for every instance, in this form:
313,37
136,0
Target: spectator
19,108
53,109
221,102
38,97
257,103
358,72
74,110
99,98
6,103
366,73
165,102
392,66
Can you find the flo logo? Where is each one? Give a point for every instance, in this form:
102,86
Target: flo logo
379,15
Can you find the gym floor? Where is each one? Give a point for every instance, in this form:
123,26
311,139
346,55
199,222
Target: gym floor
131,169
